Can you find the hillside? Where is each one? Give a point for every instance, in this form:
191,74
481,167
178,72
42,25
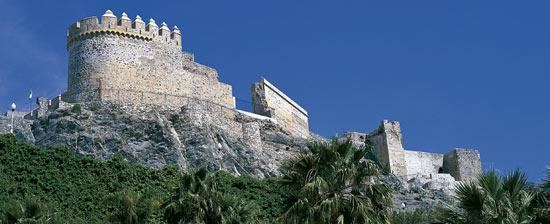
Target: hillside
74,187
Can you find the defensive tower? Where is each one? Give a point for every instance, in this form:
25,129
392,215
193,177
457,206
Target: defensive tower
117,59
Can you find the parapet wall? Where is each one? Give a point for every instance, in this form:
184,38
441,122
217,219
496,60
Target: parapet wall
269,101
129,62
124,26
387,142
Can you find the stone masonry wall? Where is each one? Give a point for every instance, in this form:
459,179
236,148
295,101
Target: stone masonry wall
114,61
21,126
387,142
388,147
463,164
423,163
269,101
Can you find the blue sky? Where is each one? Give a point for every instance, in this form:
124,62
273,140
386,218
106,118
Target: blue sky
471,74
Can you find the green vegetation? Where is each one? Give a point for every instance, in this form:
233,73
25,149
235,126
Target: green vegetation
335,185
199,201
418,216
77,109
332,183
490,199
73,188
132,208
28,211
497,199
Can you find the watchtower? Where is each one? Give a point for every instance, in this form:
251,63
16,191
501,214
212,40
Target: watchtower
117,59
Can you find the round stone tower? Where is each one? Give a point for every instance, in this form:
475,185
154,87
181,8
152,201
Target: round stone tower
128,61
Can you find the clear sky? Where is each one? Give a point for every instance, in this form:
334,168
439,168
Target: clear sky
471,74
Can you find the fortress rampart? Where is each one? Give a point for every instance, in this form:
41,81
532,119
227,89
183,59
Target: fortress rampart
120,61
130,62
387,141
133,59
269,101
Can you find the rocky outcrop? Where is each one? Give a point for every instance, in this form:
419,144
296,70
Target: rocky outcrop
194,135
200,135
423,192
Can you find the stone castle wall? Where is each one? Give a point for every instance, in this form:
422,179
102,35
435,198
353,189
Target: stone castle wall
269,101
463,164
129,62
423,163
124,61
387,143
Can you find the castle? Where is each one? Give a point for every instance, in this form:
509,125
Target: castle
130,62
387,142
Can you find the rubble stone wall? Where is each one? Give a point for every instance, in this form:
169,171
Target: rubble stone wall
21,125
388,147
463,164
423,163
105,64
387,143
269,101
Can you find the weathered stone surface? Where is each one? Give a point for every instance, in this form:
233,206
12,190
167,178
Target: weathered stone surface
423,192
144,98
201,134
423,163
463,164
125,70
133,63
387,142
196,135
21,125
269,101
388,146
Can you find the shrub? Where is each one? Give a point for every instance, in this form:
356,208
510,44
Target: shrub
77,109
418,216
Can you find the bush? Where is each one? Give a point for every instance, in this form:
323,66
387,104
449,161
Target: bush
76,109
269,195
412,217
76,187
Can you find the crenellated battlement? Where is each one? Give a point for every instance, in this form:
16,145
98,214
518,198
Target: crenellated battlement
124,26
127,61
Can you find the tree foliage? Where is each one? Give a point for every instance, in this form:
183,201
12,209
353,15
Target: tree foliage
419,216
79,189
492,199
200,201
27,211
335,184
132,208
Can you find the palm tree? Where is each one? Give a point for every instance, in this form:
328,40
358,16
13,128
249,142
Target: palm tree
336,184
28,211
199,201
492,199
545,186
542,206
131,208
